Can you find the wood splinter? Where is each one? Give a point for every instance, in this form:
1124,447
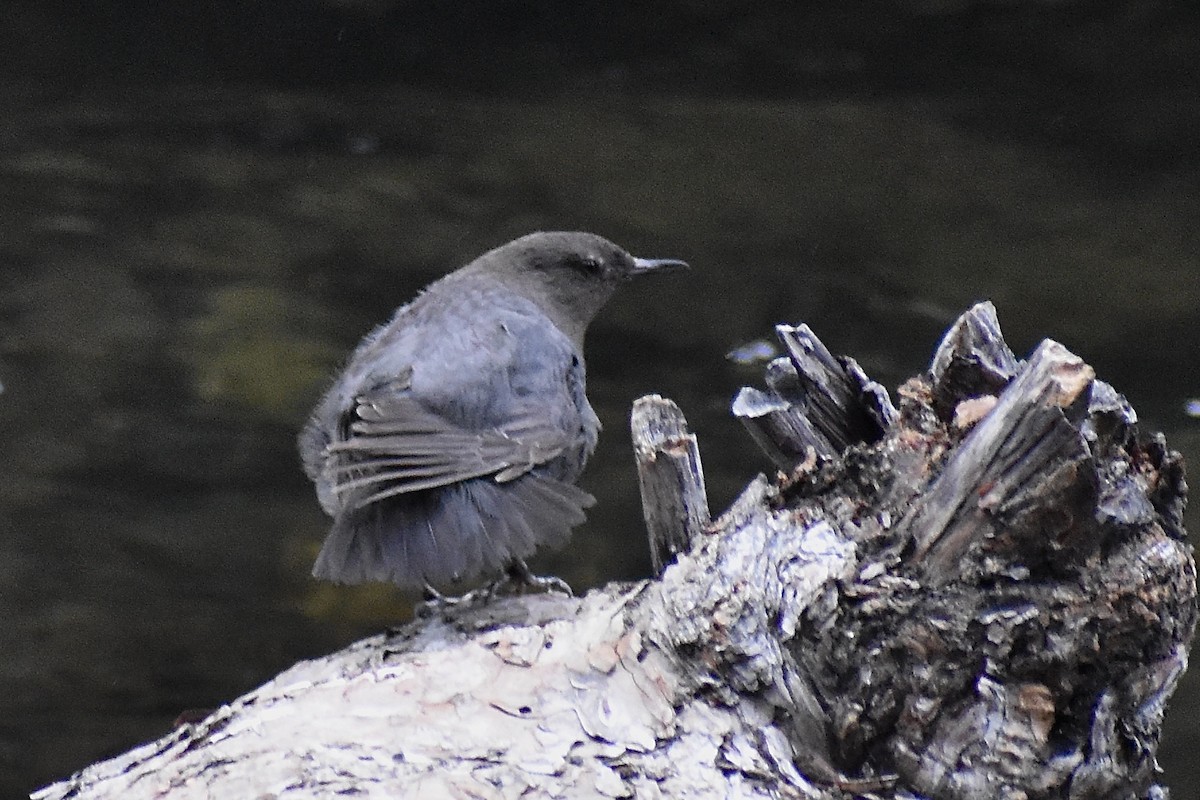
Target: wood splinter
674,502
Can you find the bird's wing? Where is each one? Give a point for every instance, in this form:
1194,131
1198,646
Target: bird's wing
395,444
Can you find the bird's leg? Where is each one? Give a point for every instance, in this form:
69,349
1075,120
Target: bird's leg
520,579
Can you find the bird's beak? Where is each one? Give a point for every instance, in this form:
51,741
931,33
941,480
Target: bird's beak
644,266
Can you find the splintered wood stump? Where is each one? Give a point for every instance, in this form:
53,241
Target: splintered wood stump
984,591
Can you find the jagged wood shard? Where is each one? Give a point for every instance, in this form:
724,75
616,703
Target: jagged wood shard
781,430
831,396
671,478
1022,457
974,349
815,404
986,592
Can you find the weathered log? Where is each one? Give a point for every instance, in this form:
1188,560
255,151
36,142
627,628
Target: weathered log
985,593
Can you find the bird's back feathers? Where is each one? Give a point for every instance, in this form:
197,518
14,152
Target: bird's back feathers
450,444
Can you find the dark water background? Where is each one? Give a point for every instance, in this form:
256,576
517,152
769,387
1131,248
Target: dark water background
201,211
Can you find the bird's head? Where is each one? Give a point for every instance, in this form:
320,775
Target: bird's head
570,274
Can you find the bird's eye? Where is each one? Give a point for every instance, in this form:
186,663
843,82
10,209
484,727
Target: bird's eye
593,264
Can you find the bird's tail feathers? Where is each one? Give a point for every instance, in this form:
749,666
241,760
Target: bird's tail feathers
451,534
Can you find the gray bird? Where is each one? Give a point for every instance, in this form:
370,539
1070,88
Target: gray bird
449,446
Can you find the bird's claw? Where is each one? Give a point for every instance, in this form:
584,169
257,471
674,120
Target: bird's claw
433,601
547,584
519,580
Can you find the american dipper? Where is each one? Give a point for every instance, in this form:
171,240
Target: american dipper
449,446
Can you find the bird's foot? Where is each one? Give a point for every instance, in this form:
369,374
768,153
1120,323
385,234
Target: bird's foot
433,601
519,580
545,584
